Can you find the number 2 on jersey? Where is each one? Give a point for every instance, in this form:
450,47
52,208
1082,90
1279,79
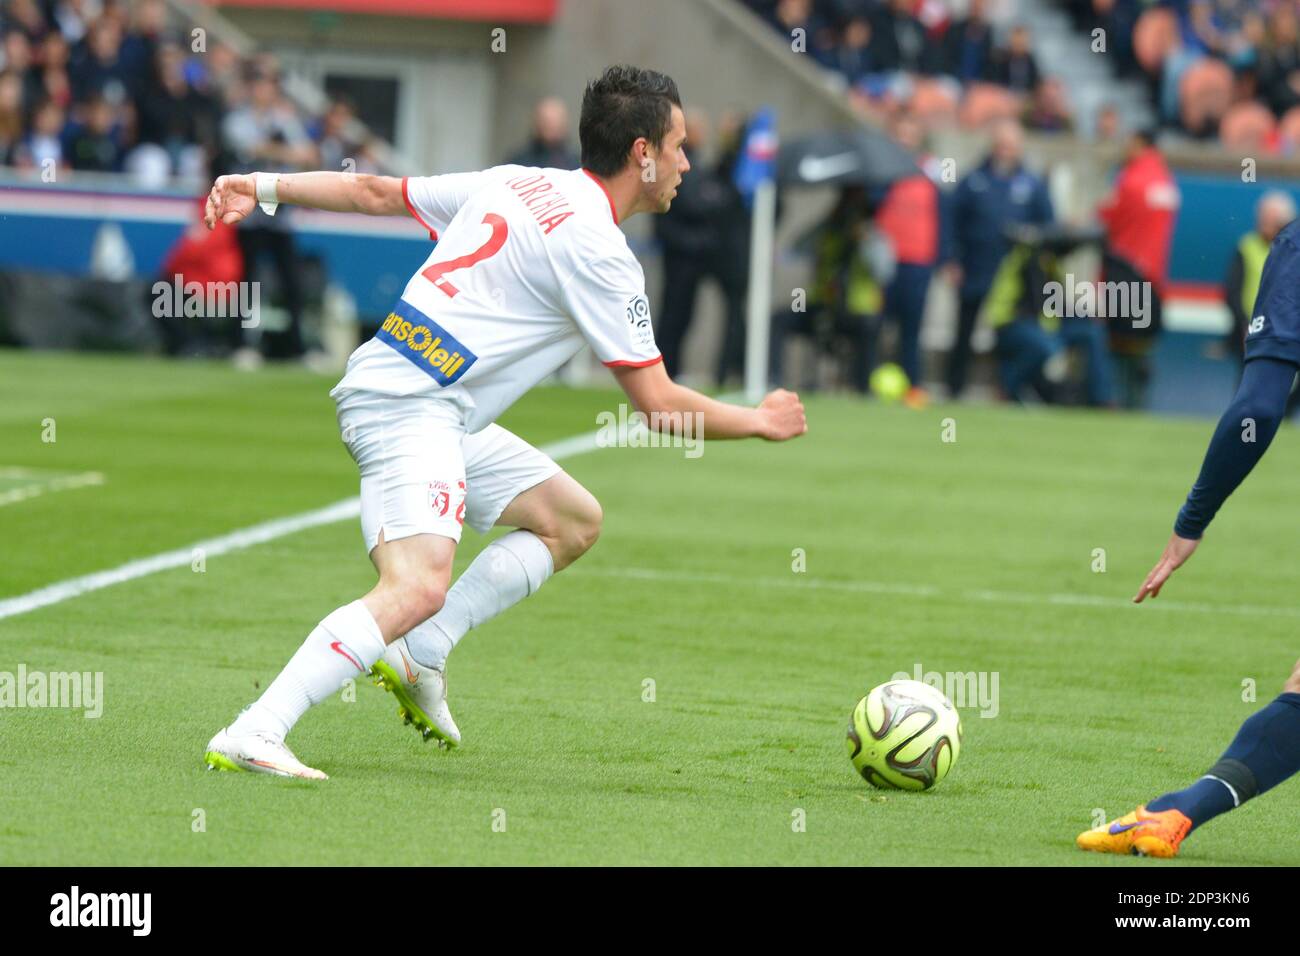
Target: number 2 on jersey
437,272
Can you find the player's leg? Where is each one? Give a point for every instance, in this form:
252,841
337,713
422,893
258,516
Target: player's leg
510,484
513,485
410,460
1265,752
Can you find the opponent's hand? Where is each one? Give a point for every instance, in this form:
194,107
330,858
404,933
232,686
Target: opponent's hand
1177,551
782,416
230,200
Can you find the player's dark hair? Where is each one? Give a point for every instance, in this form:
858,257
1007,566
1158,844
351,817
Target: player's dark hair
625,103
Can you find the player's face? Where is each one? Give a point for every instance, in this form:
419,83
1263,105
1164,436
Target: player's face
670,165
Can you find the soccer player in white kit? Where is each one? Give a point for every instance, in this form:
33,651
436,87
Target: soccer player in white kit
530,265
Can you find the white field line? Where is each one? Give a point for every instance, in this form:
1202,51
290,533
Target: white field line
44,485
797,582
350,508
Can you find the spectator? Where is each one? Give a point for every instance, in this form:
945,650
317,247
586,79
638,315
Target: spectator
850,267
331,135
26,16
1015,67
852,58
998,193
548,146
898,39
1139,218
1107,129
18,60
173,116
72,19
1273,211
1279,67
702,236
11,115
1035,328
42,148
140,45
97,65
797,21
909,217
968,45
203,256
96,144
55,83
266,135
1049,109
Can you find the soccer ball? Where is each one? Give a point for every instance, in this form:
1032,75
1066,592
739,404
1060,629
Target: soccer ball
904,735
888,382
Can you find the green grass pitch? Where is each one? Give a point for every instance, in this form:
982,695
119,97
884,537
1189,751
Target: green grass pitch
975,555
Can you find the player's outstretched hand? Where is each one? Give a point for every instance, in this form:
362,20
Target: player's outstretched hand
1177,551
231,199
783,416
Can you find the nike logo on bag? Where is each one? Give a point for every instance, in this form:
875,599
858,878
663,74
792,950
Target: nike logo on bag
814,168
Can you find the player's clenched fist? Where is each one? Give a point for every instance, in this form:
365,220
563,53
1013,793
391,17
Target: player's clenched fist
782,416
230,200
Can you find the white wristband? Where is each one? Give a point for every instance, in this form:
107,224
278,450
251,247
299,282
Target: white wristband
266,185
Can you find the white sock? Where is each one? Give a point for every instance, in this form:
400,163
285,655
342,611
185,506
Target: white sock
346,644
504,573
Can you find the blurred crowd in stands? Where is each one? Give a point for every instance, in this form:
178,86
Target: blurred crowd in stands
1226,70
111,86
943,60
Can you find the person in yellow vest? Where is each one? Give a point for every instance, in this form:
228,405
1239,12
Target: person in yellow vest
1273,211
1038,321
852,265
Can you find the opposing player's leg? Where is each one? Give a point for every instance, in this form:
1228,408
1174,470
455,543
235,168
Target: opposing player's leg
410,459
510,484
1265,752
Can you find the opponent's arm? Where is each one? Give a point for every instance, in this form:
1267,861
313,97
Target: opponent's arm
233,197
778,417
1240,440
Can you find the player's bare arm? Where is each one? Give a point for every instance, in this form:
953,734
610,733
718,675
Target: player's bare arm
1176,553
234,197
780,416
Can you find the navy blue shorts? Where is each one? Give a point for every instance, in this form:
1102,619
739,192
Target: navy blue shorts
1274,327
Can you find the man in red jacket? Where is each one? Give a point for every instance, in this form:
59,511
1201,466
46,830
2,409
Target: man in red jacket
1139,217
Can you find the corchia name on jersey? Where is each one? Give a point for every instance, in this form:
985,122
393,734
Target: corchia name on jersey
426,344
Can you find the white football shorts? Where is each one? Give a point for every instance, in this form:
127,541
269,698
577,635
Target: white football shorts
422,474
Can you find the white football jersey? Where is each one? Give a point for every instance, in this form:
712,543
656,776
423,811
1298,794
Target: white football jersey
530,265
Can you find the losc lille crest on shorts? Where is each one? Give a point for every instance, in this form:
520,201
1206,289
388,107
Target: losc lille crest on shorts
442,500
426,344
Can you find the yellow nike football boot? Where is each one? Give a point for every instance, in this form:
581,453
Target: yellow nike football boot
1140,833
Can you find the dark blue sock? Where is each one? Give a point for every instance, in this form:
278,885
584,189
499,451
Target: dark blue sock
1264,753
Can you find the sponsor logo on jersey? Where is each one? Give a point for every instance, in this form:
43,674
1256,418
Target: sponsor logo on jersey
425,344
1256,325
